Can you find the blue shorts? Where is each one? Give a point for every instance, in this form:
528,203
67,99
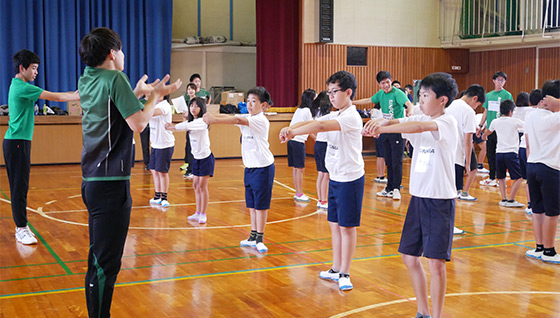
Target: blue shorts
459,171
428,228
320,150
507,161
544,187
160,159
258,187
523,162
477,140
379,146
296,154
204,167
345,202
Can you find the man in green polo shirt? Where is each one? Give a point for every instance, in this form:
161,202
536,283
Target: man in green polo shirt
22,97
112,112
491,112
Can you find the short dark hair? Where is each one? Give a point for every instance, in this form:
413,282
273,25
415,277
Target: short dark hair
97,44
191,85
345,80
408,86
498,74
535,97
201,103
476,90
442,84
262,94
506,107
522,99
396,82
25,58
382,76
551,88
195,75
321,105
307,98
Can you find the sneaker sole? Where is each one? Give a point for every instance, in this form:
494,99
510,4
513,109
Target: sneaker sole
248,245
532,256
346,287
470,200
550,262
32,243
328,278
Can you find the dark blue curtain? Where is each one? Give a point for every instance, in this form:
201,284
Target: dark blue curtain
53,29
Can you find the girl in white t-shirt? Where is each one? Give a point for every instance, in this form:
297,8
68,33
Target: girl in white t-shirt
320,107
257,159
296,147
203,163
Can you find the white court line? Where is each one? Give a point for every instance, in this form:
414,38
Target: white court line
50,202
399,301
74,196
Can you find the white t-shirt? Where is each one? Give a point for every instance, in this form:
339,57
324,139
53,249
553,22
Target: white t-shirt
432,174
255,149
507,131
301,114
521,113
542,128
198,135
344,159
466,123
323,135
161,138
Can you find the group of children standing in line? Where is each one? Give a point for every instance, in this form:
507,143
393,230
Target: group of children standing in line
440,146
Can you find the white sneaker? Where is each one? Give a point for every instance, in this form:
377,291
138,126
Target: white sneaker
193,217
202,218
329,275
396,194
466,197
380,180
164,203
529,211
534,254
514,204
502,203
189,176
155,201
489,182
344,283
261,247
458,231
551,259
483,170
248,243
385,194
324,206
302,198
25,236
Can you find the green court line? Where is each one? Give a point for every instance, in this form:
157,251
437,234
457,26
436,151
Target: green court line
39,277
28,265
51,251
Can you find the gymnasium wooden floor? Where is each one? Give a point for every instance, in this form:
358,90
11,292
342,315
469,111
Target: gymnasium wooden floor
172,268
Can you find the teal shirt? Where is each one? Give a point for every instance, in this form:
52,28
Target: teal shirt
22,97
392,103
498,97
203,93
107,100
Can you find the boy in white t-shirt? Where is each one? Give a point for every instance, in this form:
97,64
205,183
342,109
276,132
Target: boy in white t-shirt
346,172
428,227
507,132
163,144
257,159
543,171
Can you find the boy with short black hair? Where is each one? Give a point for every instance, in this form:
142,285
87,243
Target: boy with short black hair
393,102
543,171
428,227
112,112
346,172
507,132
17,141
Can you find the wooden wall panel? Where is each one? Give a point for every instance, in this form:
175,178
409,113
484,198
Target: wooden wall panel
404,63
549,64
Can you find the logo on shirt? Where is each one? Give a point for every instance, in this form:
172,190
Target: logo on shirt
333,147
427,150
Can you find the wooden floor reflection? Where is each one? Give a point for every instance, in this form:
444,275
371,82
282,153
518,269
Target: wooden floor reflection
173,268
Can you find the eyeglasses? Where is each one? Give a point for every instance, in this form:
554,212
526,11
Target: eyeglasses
333,92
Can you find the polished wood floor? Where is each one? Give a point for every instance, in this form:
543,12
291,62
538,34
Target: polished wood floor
172,268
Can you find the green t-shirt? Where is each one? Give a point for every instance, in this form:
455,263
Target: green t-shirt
203,93
22,97
494,97
392,103
107,100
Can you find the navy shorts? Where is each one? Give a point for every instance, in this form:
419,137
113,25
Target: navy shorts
428,228
523,162
204,167
544,187
320,150
459,170
507,161
258,187
345,202
160,159
379,146
477,140
296,154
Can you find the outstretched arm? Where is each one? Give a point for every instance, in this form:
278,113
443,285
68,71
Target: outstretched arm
225,119
308,127
60,97
409,127
363,101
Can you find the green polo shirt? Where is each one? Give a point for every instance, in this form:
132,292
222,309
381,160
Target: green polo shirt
203,93
22,97
496,97
392,103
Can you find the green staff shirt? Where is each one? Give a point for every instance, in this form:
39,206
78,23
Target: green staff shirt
392,103
22,97
492,104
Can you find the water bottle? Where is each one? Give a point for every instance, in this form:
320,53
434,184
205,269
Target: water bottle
36,110
45,110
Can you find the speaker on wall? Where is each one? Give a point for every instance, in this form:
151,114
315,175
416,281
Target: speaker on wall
326,13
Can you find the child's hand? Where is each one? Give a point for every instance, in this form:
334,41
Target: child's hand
208,119
170,126
550,102
371,128
286,134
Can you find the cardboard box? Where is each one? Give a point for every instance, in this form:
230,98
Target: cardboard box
232,97
74,108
